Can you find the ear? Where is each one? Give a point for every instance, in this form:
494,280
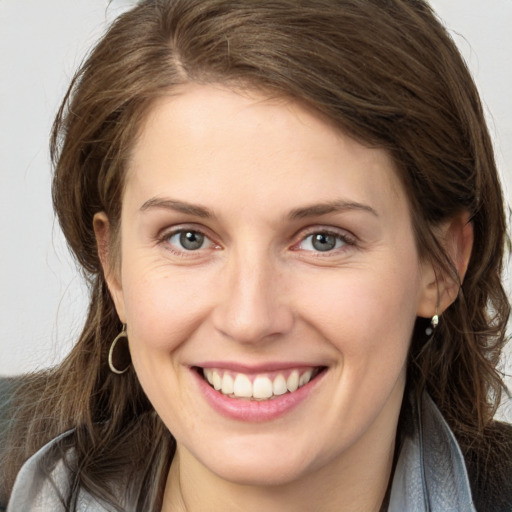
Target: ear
109,261
441,290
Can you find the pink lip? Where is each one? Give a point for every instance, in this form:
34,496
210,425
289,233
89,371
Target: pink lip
253,369
252,410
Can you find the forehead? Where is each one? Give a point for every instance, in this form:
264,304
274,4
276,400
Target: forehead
207,140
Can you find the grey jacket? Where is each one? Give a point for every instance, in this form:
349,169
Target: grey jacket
430,474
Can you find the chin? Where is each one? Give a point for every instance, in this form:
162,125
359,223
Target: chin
259,474
259,464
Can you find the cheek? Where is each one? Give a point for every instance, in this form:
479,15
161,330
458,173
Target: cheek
163,308
162,313
368,319
364,312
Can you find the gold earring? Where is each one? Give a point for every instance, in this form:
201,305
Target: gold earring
113,369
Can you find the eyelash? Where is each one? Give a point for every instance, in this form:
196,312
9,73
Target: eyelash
165,238
347,240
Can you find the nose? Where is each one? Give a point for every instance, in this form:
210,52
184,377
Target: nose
252,305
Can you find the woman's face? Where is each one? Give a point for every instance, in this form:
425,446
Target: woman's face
270,282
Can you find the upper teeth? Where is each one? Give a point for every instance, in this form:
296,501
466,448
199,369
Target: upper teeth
260,386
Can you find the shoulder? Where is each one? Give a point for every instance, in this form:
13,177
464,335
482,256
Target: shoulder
8,386
478,476
43,481
489,467
46,480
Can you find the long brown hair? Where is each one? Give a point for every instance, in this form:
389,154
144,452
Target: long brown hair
384,71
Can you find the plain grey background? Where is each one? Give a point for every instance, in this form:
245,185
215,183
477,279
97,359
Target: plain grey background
42,297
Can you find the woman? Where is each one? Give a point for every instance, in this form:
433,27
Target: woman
291,220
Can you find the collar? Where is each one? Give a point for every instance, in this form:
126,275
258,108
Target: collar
430,474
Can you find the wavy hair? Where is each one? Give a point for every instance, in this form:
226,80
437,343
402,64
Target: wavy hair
383,71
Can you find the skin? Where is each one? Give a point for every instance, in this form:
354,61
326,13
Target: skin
257,291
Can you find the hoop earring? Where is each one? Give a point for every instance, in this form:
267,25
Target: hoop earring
434,322
113,369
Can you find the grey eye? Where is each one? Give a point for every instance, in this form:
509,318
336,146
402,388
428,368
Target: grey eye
323,241
185,240
190,240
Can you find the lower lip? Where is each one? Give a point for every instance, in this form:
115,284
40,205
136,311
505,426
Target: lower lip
255,411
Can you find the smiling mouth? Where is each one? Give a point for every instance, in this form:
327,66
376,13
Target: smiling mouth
262,386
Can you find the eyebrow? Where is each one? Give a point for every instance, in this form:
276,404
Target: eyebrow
297,213
178,206
330,207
